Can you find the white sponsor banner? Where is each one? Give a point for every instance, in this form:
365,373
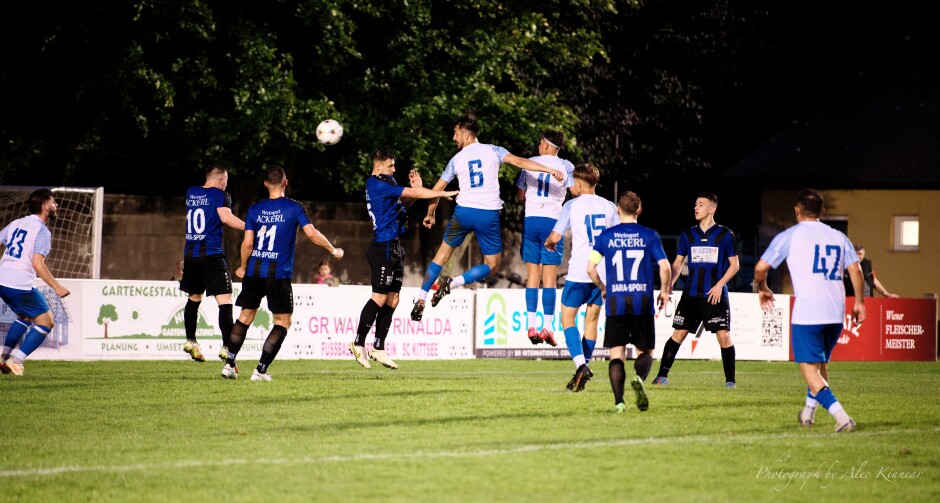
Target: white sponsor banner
64,341
143,320
502,324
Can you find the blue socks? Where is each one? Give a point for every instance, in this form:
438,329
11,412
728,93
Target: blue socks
475,273
548,301
531,299
825,397
573,341
430,276
587,346
34,339
17,329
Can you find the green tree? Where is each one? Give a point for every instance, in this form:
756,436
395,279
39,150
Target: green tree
106,315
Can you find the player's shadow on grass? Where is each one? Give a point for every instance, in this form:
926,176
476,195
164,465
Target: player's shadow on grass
429,421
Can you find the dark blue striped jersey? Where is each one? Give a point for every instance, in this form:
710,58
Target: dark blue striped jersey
630,252
382,193
707,253
203,225
275,223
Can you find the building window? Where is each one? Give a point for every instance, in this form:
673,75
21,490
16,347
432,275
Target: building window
906,233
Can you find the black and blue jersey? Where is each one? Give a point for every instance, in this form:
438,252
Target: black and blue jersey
708,253
203,225
382,194
275,223
630,251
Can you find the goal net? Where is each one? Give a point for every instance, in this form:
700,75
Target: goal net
76,233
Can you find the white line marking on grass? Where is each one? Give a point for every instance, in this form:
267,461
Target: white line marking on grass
522,449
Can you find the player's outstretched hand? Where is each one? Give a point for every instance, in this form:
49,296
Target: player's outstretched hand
240,272
558,175
766,300
415,179
451,193
429,221
338,253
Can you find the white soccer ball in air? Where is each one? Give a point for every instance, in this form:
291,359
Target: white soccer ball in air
329,132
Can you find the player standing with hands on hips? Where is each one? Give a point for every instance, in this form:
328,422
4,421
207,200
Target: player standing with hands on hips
817,256
267,266
386,202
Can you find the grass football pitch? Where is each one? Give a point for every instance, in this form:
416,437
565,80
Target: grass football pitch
478,430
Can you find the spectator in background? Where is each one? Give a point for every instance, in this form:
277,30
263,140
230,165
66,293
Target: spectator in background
324,275
871,283
178,272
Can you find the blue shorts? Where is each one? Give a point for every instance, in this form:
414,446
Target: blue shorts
485,223
578,294
535,231
25,303
814,343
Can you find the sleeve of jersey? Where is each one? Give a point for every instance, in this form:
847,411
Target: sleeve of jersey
682,247
521,182
43,242
612,217
385,190
848,251
449,173
250,220
657,251
5,236
569,179
778,250
500,152
562,224
728,244
302,218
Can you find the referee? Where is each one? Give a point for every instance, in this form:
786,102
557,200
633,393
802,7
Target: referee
712,263
386,202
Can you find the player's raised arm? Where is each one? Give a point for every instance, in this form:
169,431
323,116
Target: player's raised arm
432,204
228,218
414,180
522,162
316,237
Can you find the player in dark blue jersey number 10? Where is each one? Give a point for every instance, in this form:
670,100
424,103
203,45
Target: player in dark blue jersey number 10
629,252
267,265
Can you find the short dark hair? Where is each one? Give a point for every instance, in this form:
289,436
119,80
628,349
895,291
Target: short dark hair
215,169
629,203
811,202
382,155
859,247
275,175
37,198
588,173
556,138
711,196
468,122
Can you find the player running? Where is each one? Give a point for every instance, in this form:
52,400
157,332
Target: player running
587,215
629,251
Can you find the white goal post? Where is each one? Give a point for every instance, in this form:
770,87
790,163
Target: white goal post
76,233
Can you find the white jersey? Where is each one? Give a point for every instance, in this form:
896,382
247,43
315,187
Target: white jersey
476,167
544,194
23,238
587,215
817,256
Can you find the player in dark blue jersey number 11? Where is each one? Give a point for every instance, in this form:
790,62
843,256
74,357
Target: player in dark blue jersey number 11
267,265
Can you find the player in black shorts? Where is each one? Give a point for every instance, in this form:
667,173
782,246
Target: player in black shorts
267,265
208,209
632,255
712,263
386,201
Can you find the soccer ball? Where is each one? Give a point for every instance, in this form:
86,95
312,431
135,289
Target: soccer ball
329,132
